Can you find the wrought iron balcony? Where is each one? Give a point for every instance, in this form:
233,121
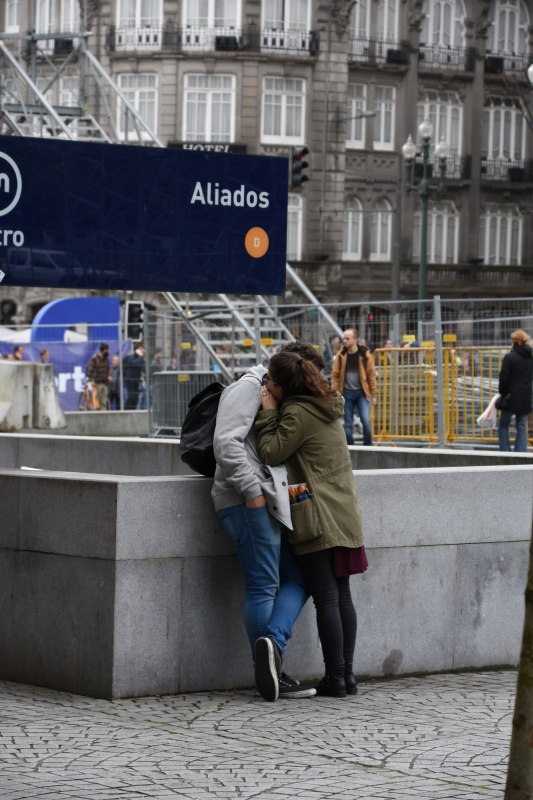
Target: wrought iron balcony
460,59
507,169
457,167
502,62
377,51
471,277
148,37
191,38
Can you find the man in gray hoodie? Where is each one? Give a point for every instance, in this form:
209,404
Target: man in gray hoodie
252,502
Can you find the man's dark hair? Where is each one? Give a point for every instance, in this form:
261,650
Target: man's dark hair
306,351
103,347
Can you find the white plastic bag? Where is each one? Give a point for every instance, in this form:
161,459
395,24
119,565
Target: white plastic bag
489,417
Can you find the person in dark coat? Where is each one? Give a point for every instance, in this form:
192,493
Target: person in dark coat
515,388
132,371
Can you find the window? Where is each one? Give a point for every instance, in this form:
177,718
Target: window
294,228
70,15
500,235
443,234
360,20
139,24
509,29
69,90
286,15
286,25
139,13
212,13
12,15
209,108
283,110
353,230
445,112
386,22
443,23
140,90
503,129
44,16
384,101
356,128
380,231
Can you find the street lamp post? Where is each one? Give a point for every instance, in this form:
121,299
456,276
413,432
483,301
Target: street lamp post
424,189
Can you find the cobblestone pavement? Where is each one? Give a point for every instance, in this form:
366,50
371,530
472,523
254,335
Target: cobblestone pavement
420,738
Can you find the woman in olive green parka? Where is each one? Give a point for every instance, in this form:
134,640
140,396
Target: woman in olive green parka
300,424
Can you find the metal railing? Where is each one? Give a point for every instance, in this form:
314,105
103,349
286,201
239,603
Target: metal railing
433,56
377,50
457,167
200,38
408,409
501,62
515,170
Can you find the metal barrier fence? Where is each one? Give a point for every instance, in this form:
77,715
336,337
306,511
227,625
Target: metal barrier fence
408,409
171,392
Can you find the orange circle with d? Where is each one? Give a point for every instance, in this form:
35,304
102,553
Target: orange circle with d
256,242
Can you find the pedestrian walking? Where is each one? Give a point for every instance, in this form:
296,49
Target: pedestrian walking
133,367
300,424
515,388
354,376
114,385
98,374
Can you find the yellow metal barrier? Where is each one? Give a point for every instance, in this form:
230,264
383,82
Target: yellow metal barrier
407,410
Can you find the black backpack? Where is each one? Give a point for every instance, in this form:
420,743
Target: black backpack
198,429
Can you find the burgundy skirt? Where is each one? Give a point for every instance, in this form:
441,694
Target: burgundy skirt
349,561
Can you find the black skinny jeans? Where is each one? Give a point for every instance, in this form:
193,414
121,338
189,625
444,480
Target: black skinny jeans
335,611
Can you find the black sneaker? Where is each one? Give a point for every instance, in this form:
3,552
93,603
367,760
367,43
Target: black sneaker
331,687
290,689
266,673
351,685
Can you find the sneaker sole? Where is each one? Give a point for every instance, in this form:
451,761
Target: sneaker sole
297,695
266,677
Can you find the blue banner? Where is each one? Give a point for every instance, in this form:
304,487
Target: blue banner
87,216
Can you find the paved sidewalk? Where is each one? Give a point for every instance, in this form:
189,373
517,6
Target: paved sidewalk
427,738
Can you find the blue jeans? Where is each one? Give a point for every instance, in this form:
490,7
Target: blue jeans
520,444
356,401
275,592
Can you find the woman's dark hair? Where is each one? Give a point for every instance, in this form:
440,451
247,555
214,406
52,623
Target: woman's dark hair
297,375
307,351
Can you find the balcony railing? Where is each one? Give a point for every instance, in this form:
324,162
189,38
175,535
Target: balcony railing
442,276
506,169
149,37
500,62
460,59
377,51
192,38
457,167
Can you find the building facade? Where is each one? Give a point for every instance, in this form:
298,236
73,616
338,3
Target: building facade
349,81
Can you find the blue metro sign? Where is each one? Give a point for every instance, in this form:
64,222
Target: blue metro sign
101,216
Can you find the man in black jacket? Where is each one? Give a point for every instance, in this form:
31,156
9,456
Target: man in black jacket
132,372
515,388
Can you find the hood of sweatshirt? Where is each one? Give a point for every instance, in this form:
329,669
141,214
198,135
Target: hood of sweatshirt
523,350
325,409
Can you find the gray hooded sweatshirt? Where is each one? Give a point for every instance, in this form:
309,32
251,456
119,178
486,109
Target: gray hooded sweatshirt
240,476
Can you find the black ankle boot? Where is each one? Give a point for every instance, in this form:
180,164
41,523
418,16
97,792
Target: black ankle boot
351,685
331,687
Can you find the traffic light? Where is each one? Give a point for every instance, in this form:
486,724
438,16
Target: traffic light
370,314
134,320
297,166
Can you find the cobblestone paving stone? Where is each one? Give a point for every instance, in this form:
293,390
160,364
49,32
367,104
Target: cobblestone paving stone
438,737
